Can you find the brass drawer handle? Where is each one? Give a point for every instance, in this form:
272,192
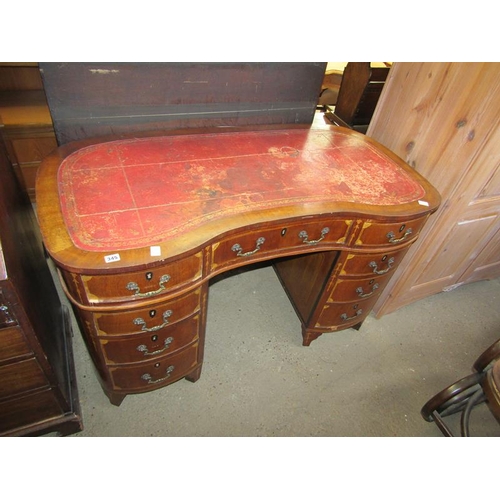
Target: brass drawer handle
144,328
304,237
392,237
363,295
8,318
134,287
344,316
144,349
374,265
150,379
237,248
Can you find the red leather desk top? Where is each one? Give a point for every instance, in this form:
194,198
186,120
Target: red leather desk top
132,193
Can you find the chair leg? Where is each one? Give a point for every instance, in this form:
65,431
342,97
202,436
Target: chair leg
461,396
441,425
475,399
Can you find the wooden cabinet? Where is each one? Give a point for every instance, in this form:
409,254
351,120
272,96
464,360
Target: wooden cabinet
25,121
335,212
443,119
38,392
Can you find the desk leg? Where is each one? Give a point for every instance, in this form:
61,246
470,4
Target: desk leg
195,375
308,336
115,398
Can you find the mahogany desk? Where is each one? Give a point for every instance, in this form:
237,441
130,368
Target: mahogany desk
137,227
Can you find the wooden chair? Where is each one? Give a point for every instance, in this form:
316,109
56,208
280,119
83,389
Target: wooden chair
358,95
481,386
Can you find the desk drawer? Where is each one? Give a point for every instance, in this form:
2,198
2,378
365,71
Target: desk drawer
245,247
347,290
148,319
13,343
372,264
375,233
256,244
153,282
158,373
151,345
314,233
345,314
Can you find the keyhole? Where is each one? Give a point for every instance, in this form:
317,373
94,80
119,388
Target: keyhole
154,338
402,228
149,275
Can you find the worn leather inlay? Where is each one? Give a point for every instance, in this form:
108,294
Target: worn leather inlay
132,193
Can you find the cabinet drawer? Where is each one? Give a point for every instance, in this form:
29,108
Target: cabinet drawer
158,373
152,282
150,345
20,377
345,313
29,409
246,246
314,233
255,244
372,264
347,290
375,233
13,343
148,319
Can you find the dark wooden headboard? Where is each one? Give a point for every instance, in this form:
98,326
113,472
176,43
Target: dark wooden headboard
95,99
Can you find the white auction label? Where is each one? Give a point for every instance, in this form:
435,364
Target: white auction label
155,251
112,258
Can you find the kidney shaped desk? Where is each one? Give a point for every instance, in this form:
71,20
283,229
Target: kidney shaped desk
137,227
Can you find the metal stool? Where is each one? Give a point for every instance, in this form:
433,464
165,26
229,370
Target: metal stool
483,385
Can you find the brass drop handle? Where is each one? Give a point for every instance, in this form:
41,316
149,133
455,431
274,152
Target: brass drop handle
344,316
7,316
363,295
149,379
392,237
239,251
144,328
134,287
304,236
144,349
374,265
